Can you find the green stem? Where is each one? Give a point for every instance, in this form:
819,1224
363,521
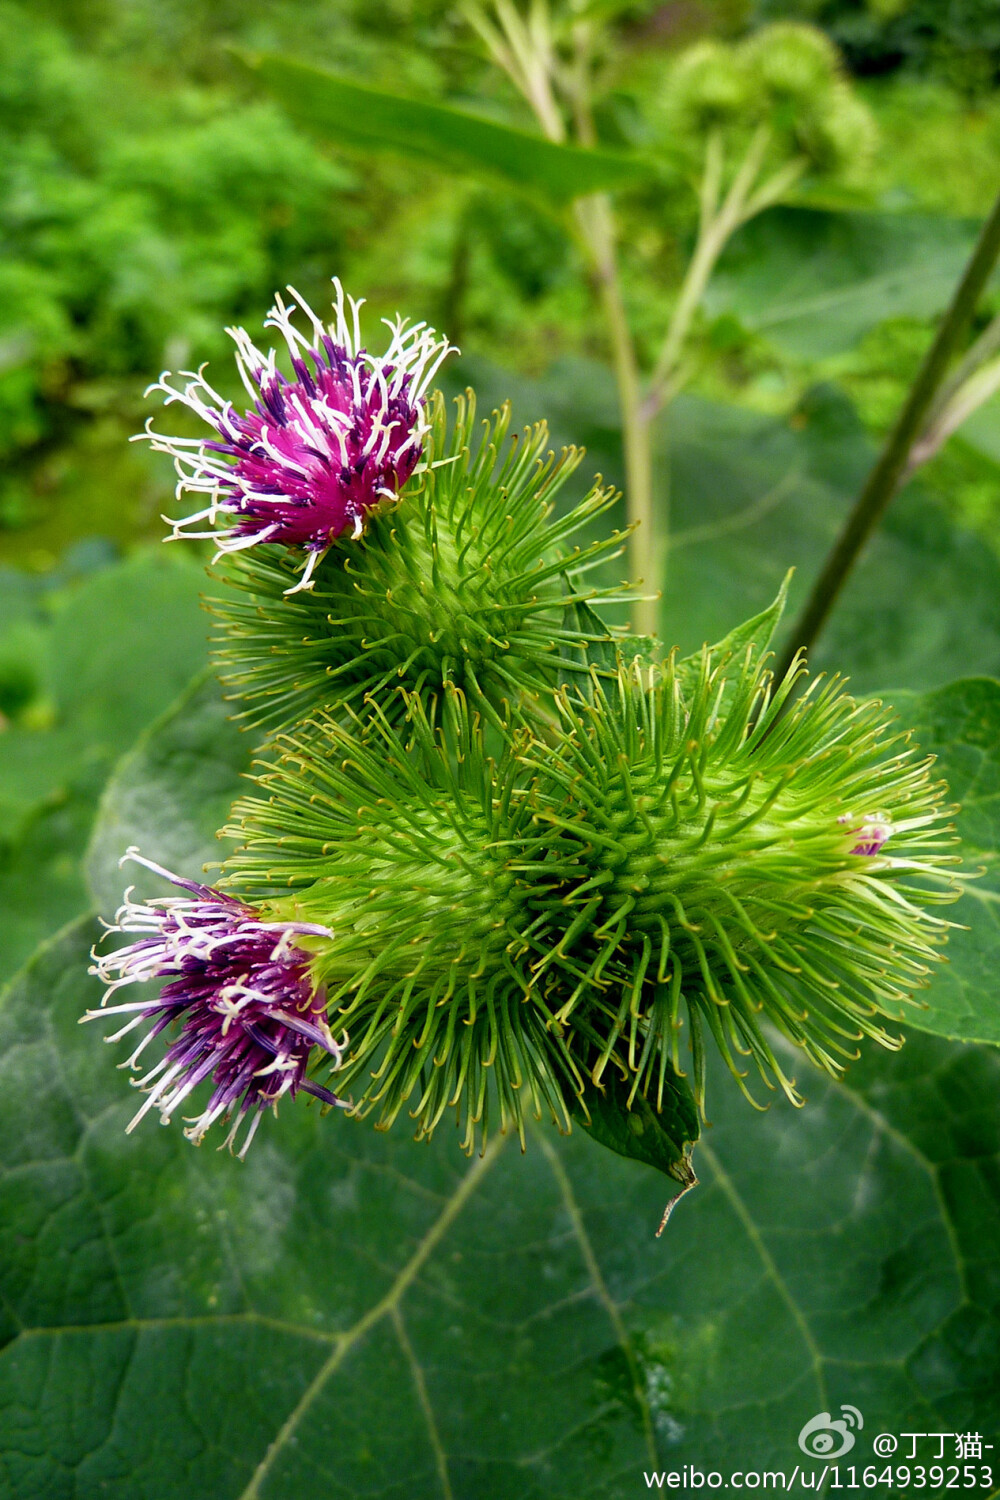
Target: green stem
984,349
597,231
714,231
884,479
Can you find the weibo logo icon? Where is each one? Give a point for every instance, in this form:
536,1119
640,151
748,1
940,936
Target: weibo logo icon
824,1436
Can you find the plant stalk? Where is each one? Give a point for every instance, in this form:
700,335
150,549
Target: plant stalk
531,67
885,478
524,48
597,231
715,228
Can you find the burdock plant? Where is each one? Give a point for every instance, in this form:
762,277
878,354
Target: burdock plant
498,862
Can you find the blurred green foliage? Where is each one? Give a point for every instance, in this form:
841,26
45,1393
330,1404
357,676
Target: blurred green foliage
88,657
149,196
956,39
135,224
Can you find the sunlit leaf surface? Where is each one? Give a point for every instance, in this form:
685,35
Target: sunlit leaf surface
170,792
114,656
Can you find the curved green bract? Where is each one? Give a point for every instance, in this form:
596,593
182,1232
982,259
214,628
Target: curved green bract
464,582
712,832
679,850
412,854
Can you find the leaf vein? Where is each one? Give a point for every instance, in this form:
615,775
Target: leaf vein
346,1341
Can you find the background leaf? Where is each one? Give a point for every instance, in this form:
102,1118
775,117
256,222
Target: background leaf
169,794
355,1312
960,724
113,652
814,283
353,114
751,496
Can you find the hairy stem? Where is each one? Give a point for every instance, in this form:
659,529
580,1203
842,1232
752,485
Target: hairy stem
524,48
886,476
967,387
596,223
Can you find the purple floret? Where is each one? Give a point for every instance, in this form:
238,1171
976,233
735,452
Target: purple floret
239,989
870,835
313,455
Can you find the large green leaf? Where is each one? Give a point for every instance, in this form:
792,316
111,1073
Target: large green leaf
353,114
126,643
113,651
170,793
353,1314
117,650
814,283
751,496
960,724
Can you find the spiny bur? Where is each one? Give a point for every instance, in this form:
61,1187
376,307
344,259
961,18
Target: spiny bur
680,855
468,581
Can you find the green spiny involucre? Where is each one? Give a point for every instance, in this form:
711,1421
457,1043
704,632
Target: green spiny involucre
467,581
701,855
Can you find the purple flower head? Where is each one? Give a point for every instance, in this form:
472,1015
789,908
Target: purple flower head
870,834
249,1014
313,454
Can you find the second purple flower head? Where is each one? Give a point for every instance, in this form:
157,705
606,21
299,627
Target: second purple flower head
239,1006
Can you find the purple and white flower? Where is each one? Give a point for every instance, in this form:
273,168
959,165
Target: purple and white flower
313,454
870,834
250,1017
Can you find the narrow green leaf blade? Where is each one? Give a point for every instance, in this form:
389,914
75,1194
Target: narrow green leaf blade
353,114
757,632
663,1139
597,650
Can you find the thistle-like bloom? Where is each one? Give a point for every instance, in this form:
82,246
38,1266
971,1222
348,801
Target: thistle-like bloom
250,1016
314,454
